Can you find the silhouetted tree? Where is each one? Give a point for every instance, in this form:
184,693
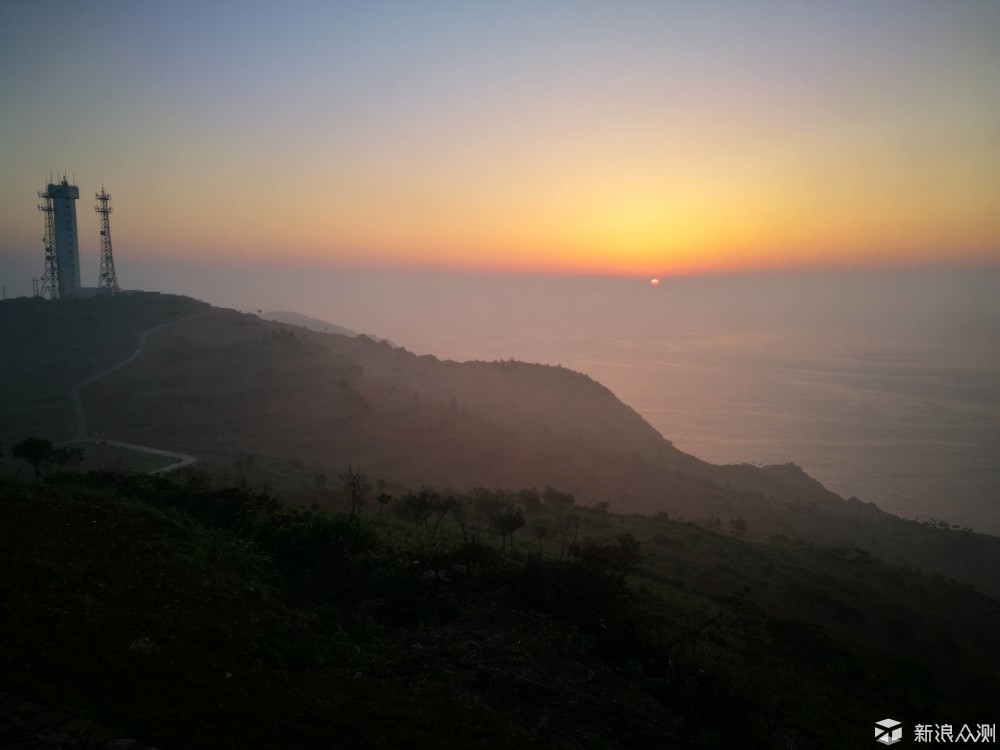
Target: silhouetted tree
417,506
565,524
508,520
442,506
544,529
530,500
356,485
37,452
487,502
383,498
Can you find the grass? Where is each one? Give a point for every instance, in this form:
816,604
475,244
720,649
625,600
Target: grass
175,609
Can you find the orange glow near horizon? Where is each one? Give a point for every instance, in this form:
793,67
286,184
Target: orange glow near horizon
590,223
568,214
653,141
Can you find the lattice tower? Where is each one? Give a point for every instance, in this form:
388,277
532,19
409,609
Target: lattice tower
107,282
50,279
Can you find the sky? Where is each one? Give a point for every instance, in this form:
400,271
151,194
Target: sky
575,137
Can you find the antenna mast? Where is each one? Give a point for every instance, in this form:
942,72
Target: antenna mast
50,279
107,282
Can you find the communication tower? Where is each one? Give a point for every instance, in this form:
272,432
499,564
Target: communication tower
107,282
50,279
62,256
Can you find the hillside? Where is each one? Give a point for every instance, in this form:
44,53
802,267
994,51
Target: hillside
49,347
280,405
190,616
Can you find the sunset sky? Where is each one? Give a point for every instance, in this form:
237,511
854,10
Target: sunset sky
648,138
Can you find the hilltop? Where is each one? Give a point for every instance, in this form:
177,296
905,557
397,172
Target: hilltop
282,405
305,321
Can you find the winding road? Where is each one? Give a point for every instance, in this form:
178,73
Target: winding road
181,459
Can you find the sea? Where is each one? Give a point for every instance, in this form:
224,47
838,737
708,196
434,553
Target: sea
883,384
913,427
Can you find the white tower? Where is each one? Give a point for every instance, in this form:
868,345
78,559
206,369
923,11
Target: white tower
60,207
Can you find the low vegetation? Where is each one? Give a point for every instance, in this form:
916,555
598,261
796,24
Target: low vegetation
176,610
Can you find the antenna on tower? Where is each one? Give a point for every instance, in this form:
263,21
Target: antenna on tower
107,282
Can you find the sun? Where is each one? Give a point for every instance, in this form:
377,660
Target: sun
654,282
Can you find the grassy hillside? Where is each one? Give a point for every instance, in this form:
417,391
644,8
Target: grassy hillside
49,346
281,406
192,616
